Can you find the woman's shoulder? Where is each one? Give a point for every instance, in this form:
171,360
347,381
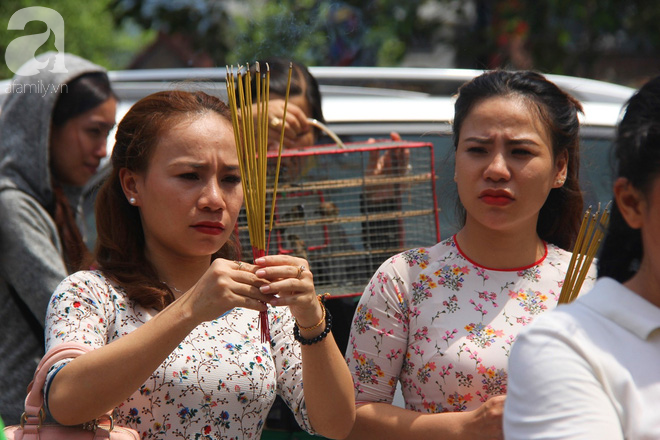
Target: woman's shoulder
556,257
18,206
571,319
559,259
87,274
555,251
92,281
92,288
421,257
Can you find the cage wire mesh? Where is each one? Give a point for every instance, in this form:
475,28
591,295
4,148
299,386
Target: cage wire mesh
332,211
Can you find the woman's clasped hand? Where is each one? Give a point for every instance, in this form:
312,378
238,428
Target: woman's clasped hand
277,280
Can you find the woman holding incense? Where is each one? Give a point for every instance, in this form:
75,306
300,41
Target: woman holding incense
172,317
441,320
590,369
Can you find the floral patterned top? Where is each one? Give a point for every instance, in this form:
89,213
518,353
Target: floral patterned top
221,380
443,326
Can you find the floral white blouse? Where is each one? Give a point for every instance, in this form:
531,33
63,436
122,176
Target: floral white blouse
221,380
443,326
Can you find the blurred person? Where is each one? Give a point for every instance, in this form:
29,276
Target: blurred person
172,316
304,103
590,369
53,132
441,320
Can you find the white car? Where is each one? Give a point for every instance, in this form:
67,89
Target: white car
370,102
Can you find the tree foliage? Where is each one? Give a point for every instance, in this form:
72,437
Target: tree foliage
206,22
374,32
558,36
89,31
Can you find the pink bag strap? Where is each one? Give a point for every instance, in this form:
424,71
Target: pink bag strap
35,398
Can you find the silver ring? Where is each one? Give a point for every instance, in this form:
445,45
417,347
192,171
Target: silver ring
240,264
301,269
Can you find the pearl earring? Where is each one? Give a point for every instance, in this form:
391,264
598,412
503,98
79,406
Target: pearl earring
131,200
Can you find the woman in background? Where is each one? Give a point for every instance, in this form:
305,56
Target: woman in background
53,135
304,103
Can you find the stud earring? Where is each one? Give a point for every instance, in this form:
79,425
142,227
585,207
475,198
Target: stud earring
560,181
131,200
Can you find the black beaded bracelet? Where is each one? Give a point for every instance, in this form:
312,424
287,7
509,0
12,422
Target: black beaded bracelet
315,339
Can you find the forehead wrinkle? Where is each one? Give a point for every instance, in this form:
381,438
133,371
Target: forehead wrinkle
201,165
518,126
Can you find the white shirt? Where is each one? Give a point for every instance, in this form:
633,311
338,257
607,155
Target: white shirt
588,370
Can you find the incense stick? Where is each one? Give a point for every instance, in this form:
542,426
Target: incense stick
252,152
586,246
279,155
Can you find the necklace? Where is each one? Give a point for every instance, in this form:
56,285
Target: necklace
172,287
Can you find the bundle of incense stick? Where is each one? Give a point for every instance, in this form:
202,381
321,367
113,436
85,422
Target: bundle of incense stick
252,150
587,243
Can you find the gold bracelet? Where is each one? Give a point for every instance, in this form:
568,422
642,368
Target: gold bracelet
321,299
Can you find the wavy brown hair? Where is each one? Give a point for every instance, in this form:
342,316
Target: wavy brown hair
120,245
560,215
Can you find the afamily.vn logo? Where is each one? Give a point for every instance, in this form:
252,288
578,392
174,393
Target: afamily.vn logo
22,49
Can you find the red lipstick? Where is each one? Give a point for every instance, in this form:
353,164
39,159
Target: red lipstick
496,197
209,228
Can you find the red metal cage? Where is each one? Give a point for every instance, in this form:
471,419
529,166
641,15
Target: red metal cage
334,210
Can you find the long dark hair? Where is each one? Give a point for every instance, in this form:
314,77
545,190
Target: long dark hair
637,154
120,244
559,218
80,95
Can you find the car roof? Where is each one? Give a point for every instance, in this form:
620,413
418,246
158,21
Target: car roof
354,95
446,81
432,81
384,94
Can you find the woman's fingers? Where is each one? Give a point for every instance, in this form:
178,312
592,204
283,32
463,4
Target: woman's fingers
237,278
287,277
273,267
284,272
295,123
290,283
